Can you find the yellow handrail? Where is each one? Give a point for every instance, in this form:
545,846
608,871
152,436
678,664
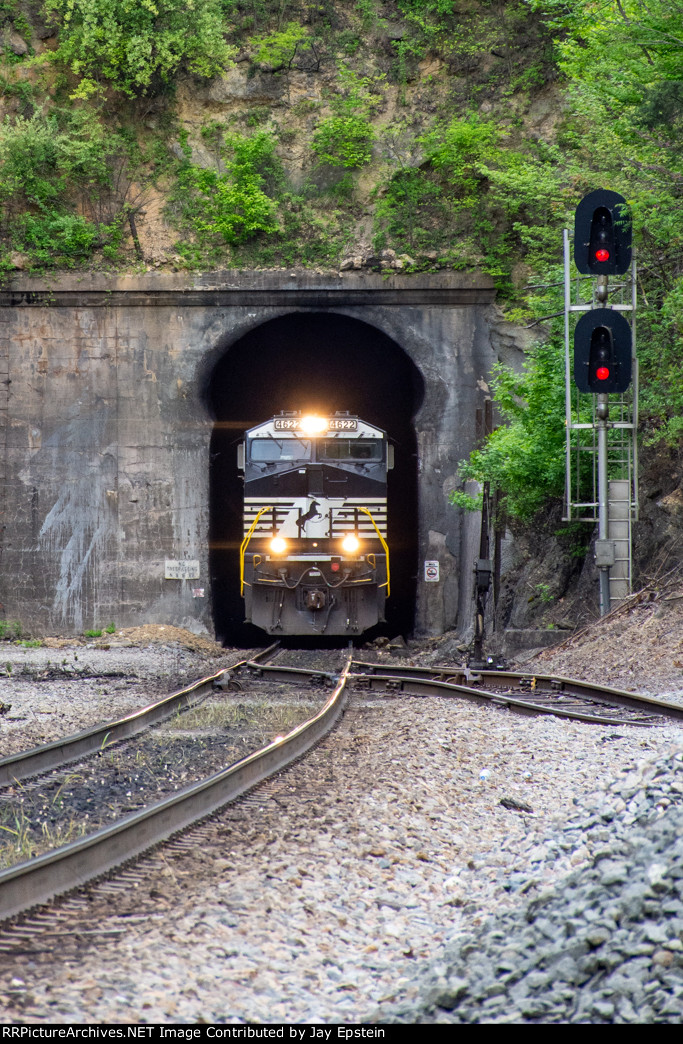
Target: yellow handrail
384,545
243,546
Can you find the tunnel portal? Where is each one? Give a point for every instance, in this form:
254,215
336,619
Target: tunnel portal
124,397
317,362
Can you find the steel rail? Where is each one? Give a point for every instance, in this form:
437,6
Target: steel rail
39,880
280,672
61,752
445,680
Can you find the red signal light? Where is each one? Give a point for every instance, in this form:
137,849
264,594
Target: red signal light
602,373
602,254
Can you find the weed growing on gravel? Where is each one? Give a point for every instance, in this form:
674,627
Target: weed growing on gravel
18,845
31,826
258,715
69,780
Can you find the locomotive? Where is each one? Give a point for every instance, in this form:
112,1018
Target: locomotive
314,559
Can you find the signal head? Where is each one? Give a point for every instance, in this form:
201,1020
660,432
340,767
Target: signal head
602,352
602,234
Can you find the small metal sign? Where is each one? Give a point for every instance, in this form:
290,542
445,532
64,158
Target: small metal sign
431,572
179,569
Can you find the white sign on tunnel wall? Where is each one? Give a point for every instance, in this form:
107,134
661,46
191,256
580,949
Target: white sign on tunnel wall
431,572
181,569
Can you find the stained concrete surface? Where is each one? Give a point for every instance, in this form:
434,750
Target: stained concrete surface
106,428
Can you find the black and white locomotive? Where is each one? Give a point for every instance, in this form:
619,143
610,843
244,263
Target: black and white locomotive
314,558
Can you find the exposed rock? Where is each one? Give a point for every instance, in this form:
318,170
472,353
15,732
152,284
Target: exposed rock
19,261
15,42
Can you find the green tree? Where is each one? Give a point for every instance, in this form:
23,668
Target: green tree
277,50
525,456
230,204
138,46
621,129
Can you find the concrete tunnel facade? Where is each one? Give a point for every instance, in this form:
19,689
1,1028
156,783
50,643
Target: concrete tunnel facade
110,408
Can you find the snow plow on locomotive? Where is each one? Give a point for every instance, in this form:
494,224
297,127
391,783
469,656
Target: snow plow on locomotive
314,559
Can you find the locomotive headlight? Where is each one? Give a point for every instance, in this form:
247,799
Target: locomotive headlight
313,425
350,543
278,545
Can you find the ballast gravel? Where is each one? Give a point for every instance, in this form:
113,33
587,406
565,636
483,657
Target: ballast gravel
601,945
382,879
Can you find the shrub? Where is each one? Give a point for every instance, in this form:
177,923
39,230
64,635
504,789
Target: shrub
49,237
278,50
525,458
230,204
344,141
52,167
137,46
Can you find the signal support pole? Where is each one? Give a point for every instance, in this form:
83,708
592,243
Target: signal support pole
602,413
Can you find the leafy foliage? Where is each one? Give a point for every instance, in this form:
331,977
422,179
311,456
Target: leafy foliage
45,166
230,204
344,141
622,130
476,198
137,46
524,457
277,50
68,186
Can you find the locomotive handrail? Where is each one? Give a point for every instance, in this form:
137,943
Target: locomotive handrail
384,545
245,542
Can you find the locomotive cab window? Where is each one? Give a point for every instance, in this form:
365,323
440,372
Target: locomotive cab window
350,449
270,450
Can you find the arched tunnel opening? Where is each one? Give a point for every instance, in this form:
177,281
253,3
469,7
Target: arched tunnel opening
316,362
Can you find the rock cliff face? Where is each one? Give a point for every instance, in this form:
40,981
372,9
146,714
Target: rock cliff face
388,74
549,581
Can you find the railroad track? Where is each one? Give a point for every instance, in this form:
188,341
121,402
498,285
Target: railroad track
52,756
33,883
39,880
525,693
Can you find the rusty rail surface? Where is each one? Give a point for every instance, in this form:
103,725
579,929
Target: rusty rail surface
460,681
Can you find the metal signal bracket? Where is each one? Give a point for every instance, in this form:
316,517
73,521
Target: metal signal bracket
601,458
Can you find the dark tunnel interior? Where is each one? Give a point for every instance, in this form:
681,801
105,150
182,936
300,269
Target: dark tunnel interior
316,362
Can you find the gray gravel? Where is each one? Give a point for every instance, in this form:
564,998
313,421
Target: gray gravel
385,880
55,692
601,946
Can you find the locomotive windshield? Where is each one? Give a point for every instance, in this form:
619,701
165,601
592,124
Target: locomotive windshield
270,450
349,449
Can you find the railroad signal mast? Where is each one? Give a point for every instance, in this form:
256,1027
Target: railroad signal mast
601,434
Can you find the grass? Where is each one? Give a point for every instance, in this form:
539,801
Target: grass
27,838
259,715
